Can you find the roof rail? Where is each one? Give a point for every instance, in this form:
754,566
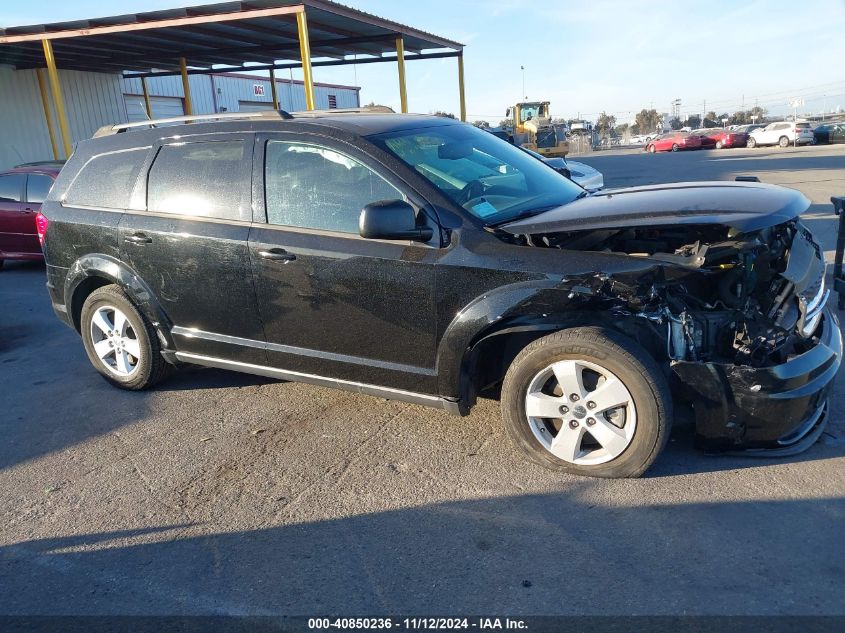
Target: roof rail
117,128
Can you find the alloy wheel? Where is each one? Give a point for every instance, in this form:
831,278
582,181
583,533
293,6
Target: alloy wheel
115,341
581,412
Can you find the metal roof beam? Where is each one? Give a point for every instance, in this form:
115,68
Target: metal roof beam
256,52
285,65
354,14
153,24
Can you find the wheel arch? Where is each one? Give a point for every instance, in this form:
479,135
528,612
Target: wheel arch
93,271
484,338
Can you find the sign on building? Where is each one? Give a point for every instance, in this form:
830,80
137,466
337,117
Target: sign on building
258,90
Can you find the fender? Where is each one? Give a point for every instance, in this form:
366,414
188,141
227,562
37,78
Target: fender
538,305
116,272
480,317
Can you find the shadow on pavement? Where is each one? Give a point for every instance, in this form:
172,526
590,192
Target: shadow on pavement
533,554
59,400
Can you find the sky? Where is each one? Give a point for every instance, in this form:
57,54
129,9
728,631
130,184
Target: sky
585,56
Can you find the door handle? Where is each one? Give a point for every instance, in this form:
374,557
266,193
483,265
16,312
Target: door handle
28,210
277,254
138,238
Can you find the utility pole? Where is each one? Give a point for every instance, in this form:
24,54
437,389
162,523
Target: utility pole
525,96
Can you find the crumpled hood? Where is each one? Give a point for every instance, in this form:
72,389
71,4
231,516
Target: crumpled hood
743,206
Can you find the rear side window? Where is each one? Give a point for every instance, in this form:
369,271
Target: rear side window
107,180
11,186
203,179
37,188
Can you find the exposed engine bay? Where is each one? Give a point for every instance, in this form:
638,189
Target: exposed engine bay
723,296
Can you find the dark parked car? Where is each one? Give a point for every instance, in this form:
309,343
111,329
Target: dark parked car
749,128
22,190
829,133
422,259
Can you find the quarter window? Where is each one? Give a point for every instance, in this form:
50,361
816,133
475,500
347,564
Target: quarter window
202,179
315,187
107,180
37,188
10,188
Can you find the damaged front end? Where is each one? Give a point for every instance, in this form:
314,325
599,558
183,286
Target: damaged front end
742,319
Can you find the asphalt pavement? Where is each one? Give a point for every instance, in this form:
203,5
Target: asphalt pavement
220,493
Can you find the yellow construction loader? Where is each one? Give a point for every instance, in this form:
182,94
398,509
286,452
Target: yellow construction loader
533,129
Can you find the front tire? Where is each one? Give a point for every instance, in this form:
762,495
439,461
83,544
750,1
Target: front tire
675,147
651,149
783,141
751,143
587,401
719,145
119,340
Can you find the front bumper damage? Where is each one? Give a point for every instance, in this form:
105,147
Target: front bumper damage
779,410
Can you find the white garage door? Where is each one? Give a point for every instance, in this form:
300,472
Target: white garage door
254,106
163,107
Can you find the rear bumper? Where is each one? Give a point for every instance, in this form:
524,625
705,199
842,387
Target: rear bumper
777,408
56,276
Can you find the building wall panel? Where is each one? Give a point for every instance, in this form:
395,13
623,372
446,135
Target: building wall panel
96,99
91,100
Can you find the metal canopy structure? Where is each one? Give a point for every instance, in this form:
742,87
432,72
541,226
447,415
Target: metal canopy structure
252,35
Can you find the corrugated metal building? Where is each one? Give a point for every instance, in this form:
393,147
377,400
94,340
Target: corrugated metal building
96,99
230,92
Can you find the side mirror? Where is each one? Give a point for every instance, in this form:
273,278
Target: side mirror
392,220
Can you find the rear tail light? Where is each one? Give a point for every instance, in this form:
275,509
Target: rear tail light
41,224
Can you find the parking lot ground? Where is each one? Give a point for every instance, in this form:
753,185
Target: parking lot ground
219,493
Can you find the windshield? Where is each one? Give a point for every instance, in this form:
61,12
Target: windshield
492,179
528,112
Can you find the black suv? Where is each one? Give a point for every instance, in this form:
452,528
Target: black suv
421,259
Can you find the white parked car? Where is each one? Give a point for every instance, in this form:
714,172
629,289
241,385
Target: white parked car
589,178
783,133
579,173
642,139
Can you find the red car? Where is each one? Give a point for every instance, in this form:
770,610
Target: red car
719,138
673,142
22,190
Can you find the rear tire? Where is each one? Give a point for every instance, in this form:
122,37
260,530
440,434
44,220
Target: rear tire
751,143
783,141
621,440
1,264
719,145
675,147
120,342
